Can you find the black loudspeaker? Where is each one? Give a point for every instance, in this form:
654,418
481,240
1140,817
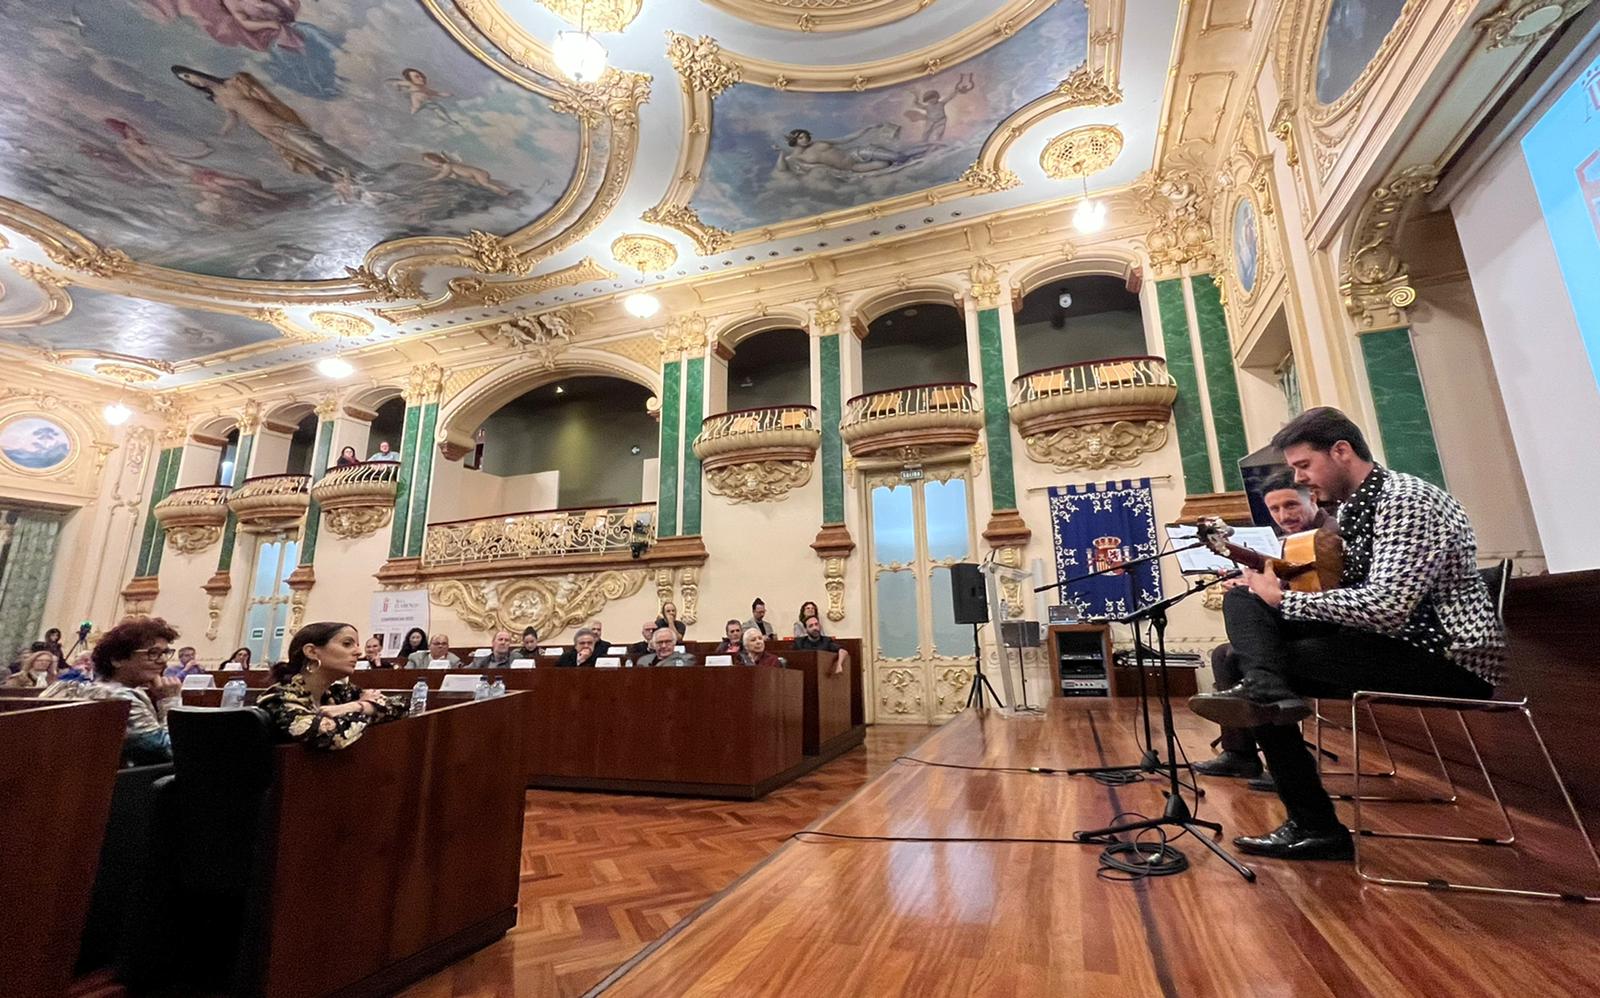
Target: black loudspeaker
970,600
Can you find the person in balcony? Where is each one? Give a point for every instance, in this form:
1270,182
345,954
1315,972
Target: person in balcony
808,609
529,648
438,650
383,453
669,619
755,650
347,457
312,699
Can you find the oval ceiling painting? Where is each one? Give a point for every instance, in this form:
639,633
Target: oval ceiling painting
1246,244
34,443
276,139
1354,33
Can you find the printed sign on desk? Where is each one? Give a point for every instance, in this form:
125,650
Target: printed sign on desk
395,613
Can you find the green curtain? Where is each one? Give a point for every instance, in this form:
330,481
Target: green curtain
25,580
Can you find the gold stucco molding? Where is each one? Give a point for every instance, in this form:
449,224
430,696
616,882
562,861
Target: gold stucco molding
700,64
352,522
1092,446
1526,22
547,603
1175,201
758,481
1081,152
821,15
596,15
1373,280
708,239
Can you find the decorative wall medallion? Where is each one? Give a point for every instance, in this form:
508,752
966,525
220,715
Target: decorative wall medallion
700,64
340,324
1526,22
1081,152
758,481
990,180
547,603
950,688
35,444
1097,445
545,337
351,522
192,539
1246,245
645,253
596,15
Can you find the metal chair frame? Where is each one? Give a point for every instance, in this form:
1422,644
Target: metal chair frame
1461,706
1355,738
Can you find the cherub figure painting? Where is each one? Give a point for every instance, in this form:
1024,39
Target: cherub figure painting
930,105
450,167
413,83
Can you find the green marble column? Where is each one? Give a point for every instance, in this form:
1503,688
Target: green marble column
421,479
149,562
1186,410
996,410
1222,386
402,498
230,529
319,464
1404,425
832,446
667,498
693,414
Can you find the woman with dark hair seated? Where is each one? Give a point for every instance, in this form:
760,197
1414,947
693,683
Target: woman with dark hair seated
128,665
312,699
416,640
807,609
240,658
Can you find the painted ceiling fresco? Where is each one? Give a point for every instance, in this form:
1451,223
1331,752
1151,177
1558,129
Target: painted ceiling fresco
1356,29
132,327
274,139
778,155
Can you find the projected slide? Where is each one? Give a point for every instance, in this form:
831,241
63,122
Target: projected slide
1563,154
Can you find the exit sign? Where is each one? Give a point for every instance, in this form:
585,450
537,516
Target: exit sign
910,474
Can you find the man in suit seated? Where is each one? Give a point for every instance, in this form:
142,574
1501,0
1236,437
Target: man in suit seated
529,648
499,656
815,640
733,639
663,645
758,619
438,650
602,647
582,653
639,649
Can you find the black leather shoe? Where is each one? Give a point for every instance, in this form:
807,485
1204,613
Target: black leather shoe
1250,704
1264,782
1234,764
1290,841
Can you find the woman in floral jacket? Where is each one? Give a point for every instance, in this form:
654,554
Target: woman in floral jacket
312,699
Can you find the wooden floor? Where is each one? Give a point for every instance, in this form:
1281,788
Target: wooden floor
605,874
839,918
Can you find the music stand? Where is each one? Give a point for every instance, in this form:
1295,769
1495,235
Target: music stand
1011,630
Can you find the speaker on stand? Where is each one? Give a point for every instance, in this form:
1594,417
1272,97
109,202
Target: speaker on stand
970,603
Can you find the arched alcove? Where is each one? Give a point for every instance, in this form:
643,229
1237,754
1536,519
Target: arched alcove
770,368
914,344
1100,319
209,453
387,425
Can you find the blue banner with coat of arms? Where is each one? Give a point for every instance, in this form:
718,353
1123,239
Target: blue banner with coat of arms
1096,527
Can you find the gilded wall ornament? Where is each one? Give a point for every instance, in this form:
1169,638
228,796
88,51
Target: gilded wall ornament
382,287
1526,22
131,375
1097,445
351,522
985,280
900,691
825,313
833,582
491,254
1081,152
544,337
279,319
340,324
192,538
663,585
1374,281
548,603
684,334
708,239
689,587
616,96
700,64
425,384
645,253
758,481
950,687
596,15
990,180
95,262
1177,202
1086,87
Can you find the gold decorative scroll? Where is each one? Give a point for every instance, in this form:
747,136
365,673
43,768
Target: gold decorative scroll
547,603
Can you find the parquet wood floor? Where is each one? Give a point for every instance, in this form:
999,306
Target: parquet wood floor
603,875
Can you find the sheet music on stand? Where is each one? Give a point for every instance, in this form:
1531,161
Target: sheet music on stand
1011,630
1203,561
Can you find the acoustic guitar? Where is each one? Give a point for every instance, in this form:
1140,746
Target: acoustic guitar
1312,560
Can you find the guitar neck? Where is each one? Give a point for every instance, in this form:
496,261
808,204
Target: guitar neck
1246,557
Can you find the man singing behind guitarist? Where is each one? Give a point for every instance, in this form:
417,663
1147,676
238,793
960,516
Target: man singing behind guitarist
1411,615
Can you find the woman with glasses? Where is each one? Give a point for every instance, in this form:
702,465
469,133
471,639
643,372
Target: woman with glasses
128,665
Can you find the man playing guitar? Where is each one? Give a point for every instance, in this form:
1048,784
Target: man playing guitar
1411,615
1293,511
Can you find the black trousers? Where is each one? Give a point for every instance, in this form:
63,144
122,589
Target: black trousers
1225,672
1326,660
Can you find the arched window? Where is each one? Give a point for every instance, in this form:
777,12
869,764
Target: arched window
230,454
914,345
1079,319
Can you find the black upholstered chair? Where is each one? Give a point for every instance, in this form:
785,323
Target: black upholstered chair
126,909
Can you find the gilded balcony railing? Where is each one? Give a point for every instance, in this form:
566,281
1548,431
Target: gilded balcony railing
193,516
358,499
754,455
1098,414
270,502
938,415
539,534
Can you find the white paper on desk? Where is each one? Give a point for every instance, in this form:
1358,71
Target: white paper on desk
458,684
550,652
719,660
523,663
678,649
439,663
198,683
481,653
233,667
363,664
609,662
1263,540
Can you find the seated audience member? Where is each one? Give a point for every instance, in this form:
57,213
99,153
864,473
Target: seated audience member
187,664
602,647
372,653
240,657
499,656
347,457
438,650
663,650
639,648
82,670
416,640
128,663
582,653
52,644
37,672
669,618
383,453
529,647
815,640
807,609
755,651
733,638
758,619
312,699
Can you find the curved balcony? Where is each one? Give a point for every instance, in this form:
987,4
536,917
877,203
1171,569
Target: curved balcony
545,533
1098,414
358,499
756,455
922,416
193,517
270,502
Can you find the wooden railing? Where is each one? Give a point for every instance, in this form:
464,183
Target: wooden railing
1115,374
538,534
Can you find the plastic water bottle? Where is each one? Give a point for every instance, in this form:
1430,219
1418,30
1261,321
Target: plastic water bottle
498,687
482,691
419,698
233,693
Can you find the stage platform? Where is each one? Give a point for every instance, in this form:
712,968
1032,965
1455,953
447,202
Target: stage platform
845,917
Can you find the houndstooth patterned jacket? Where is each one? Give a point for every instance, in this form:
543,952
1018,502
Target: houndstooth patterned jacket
1411,572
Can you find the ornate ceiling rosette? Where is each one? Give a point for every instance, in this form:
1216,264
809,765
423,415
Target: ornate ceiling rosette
821,15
